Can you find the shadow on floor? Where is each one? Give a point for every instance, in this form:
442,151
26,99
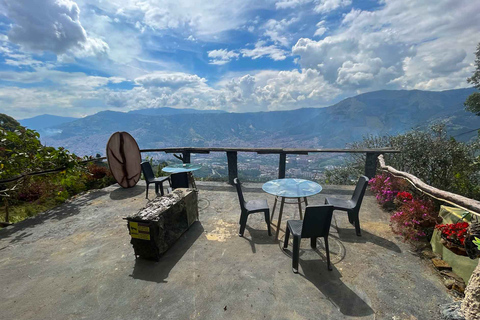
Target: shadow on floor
349,235
122,194
65,210
158,271
333,288
259,237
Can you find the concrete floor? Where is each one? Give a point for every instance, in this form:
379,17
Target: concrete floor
76,262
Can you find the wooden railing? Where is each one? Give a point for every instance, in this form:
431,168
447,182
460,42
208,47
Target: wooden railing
456,200
232,158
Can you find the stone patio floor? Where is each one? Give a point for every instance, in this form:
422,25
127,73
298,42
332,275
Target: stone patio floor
76,262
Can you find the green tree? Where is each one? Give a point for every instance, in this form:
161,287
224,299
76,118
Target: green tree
432,156
472,103
8,123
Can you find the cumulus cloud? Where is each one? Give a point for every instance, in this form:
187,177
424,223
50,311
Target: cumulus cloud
49,25
222,56
324,6
276,30
320,6
262,50
408,44
173,80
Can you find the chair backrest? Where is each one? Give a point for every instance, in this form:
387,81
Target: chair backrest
147,171
239,193
317,220
359,192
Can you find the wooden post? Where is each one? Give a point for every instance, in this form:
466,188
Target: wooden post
371,164
232,166
186,156
282,165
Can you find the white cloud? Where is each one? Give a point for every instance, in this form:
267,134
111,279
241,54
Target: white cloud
276,30
321,29
49,25
172,80
320,6
406,44
287,4
201,19
222,56
262,50
325,6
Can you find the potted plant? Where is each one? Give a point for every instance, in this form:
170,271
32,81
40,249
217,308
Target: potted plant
453,236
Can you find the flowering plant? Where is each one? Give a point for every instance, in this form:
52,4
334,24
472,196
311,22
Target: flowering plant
386,188
404,196
454,232
414,220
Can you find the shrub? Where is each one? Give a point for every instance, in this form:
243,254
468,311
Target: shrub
386,187
432,156
414,219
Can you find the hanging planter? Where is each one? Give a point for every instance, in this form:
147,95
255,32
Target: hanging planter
453,236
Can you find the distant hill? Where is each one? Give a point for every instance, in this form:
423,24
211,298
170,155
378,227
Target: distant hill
45,121
166,111
374,113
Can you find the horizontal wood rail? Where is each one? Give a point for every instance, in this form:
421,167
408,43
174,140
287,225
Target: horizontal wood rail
370,163
268,150
459,201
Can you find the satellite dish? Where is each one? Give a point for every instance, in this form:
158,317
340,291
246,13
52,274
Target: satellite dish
124,159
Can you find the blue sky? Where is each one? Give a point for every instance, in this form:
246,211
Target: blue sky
75,58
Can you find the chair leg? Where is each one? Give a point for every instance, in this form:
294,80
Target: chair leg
243,223
267,220
156,188
161,189
357,226
296,253
313,242
329,267
146,192
287,237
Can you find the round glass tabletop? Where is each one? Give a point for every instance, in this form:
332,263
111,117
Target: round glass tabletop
179,168
292,188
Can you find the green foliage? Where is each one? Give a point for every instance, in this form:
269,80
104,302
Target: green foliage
432,156
160,166
472,103
22,152
477,242
8,123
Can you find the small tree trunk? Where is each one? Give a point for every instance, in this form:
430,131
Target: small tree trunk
471,302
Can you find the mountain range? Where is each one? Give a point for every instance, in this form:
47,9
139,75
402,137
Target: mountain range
385,112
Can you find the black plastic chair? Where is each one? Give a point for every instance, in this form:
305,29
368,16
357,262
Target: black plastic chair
352,206
179,180
249,207
150,178
316,224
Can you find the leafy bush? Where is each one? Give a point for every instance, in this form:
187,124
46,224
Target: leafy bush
386,187
414,219
432,156
22,152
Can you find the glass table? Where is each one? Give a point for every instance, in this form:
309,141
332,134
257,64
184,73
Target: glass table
182,176
290,189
